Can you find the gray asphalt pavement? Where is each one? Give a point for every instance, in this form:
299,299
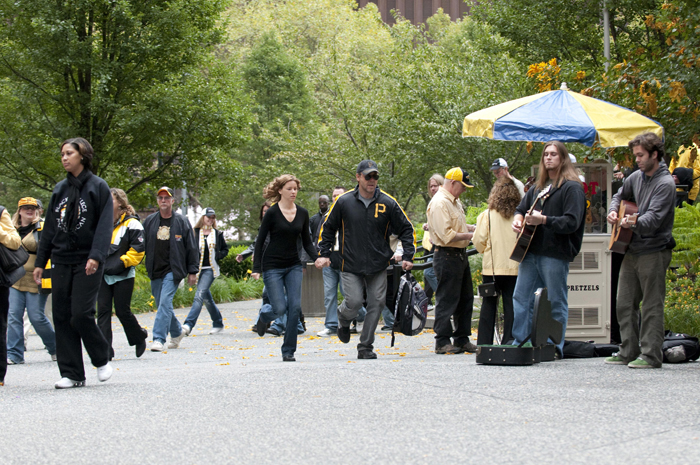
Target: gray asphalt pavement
229,398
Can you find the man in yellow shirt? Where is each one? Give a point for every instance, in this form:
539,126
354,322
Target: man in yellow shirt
450,234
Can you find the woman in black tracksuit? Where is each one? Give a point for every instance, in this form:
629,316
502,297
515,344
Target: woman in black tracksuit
76,238
125,252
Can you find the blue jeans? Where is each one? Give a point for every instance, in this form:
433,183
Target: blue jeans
388,317
203,295
331,281
429,276
163,290
280,323
278,282
34,303
537,271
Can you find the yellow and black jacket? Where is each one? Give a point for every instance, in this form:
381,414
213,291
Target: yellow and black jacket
363,232
127,248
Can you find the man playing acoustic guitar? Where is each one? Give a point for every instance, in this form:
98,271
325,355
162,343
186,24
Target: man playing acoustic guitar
559,221
643,270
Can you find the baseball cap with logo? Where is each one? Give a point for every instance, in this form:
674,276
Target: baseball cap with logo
459,174
366,167
498,163
165,189
27,202
209,212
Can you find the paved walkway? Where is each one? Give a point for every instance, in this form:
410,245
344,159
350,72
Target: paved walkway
228,398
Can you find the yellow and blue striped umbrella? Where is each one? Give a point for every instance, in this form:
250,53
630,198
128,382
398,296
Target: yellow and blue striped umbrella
560,115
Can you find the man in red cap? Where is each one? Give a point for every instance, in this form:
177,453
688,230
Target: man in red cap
171,255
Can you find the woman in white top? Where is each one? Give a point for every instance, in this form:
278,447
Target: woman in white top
495,238
212,249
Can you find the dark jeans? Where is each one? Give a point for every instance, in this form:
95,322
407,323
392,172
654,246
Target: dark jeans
4,306
284,290
119,292
489,310
74,296
454,297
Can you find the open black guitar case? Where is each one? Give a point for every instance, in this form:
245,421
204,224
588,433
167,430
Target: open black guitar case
544,327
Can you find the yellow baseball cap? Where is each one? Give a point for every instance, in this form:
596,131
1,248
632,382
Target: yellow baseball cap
459,174
27,202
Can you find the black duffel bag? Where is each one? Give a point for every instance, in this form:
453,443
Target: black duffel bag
680,348
10,260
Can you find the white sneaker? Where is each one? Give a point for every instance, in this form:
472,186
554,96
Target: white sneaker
360,325
326,333
104,372
157,346
186,329
216,330
175,341
67,383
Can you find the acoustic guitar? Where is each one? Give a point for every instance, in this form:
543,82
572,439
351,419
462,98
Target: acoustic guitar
620,237
528,230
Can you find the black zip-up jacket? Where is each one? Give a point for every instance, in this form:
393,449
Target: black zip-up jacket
94,232
363,232
184,254
565,209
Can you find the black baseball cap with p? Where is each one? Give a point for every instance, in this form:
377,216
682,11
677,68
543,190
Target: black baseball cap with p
459,174
209,212
366,167
165,189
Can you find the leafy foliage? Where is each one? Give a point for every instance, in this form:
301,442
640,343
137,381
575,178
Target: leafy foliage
137,79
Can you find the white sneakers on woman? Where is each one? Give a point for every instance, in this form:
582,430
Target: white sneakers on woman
103,374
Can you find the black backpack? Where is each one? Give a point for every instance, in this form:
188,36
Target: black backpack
680,348
411,310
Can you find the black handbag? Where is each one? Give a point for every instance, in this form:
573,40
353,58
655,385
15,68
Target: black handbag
489,289
10,260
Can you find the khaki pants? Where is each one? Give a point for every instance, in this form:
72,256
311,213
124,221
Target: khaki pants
642,280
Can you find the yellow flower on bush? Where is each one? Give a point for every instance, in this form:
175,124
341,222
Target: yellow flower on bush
249,272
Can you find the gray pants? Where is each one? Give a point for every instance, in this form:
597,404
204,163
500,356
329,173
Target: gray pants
642,280
353,286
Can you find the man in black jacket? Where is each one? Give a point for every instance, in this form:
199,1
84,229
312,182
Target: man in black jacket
316,220
560,220
171,254
363,219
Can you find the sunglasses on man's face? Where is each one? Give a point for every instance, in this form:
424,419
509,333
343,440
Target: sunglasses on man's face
374,176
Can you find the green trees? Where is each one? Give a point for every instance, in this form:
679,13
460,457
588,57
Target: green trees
135,78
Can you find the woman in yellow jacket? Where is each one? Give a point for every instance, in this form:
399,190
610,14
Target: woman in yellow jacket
125,252
25,293
495,239
10,239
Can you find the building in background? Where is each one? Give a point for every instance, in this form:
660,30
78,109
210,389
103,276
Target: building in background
417,11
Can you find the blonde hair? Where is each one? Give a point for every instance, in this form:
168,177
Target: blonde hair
123,201
16,221
566,171
438,178
200,223
271,192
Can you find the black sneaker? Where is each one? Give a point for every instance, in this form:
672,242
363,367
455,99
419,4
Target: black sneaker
260,328
273,331
288,358
366,354
344,334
